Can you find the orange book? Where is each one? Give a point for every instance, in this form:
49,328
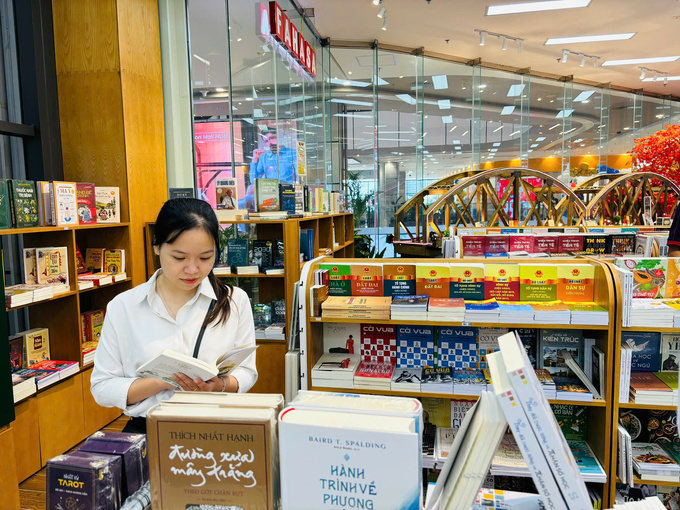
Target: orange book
432,280
575,282
367,280
501,281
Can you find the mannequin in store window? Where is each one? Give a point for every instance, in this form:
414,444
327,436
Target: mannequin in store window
168,312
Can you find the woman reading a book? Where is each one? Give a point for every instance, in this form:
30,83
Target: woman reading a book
183,307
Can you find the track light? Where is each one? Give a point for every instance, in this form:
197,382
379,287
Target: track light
520,47
505,43
376,2
665,80
505,39
595,64
642,73
381,12
482,38
583,62
583,58
384,27
565,54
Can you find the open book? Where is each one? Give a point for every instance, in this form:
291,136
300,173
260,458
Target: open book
171,362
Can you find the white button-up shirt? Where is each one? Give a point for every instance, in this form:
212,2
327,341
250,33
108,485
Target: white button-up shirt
137,327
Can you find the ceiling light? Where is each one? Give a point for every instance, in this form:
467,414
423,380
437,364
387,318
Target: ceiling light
556,125
440,82
444,104
505,43
219,89
589,38
550,5
482,38
381,12
583,96
515,90
642,73
540,138
565,53
665,78
507,110
520,47
447,119
384,27
583,62
498,128
633,61
376,2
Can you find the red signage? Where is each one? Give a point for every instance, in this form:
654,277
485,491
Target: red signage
282,29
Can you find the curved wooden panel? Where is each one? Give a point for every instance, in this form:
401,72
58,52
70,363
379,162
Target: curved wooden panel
590,186
625,197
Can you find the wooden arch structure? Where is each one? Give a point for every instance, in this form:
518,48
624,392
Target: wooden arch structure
475,199
625,197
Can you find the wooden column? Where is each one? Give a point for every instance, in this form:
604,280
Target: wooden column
111,106
9,483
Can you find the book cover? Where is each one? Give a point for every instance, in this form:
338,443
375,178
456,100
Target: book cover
226,193
210,457
620,243
5,214
537,282
181,193
23,203
16,352
299,199
381,470
473,246
575,282
545,243
287,197
278,311
670,352
86,203
573,421
459,409
529,339
94,259
307,244
569,243
496,244
488,343
551,342
107,200
237,252
340,279
406,378
379,343
367,279
267,195
646,347
466,281
52,266
457,347
341,337
65,203
672,290
262,253
338,366
36,345
278,253
76,482
649,275
30,266
81,265
262,314
432,280
91,323
113,261
375,371
522,242
436,411
594,243
399,279
501,281
438,379
415,346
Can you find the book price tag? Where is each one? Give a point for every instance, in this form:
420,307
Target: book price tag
466,324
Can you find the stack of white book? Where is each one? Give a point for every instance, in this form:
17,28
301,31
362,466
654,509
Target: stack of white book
406,379
23,385
335,370
625,468
446,310
652,462
514,312
651,313
409,307
275,331
588,314
624,373
626,280
551,312
24,293
650,503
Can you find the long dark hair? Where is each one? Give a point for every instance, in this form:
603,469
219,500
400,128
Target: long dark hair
176,217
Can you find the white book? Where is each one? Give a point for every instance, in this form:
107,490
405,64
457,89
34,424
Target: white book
342,460
171,362
542,420
526,439
624,373
65,203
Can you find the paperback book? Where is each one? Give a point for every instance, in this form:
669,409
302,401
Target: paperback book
646,347
399,279
457,347
107,199
87,206
551,342
415,346
467,281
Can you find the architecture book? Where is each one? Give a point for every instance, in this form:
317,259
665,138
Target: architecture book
170,362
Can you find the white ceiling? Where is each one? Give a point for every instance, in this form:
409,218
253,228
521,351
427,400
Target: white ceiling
419,23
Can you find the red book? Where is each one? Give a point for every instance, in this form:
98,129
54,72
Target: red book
87,209
567,243
473,246
374,371
497,244
367,280
379,343
546,244
522,242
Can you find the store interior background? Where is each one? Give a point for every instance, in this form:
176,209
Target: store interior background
387,120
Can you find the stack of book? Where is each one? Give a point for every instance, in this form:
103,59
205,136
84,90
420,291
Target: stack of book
626,281
588,314
652,462
647,388
468,382
547,383
514,312
482,311
275,332
42,378
446,310
319,295
24,293
23,385
624,373
63,368
436,380
651,313
363,307
374,375
335,370
551,312
571,388
409,307
406,379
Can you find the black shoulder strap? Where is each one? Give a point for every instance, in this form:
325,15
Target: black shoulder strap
202,332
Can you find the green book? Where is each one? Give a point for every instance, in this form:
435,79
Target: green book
672,449
670,379
340,279
267,195
24,204
237,252
573,421
5,215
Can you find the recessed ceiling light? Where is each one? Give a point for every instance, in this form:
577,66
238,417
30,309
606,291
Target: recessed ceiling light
550,5
219,89
635,61
589,38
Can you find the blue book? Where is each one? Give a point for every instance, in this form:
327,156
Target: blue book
490,305
514,307
287,197
585,460
457,347
646,346
509,231
415,346
495,255
237,252
307,243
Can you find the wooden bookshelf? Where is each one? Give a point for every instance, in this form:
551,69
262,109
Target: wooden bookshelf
600,424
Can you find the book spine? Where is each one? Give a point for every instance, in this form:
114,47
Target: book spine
545,482
552,442
10,195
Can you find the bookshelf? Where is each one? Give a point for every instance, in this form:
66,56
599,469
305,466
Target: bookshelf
599,411
271,353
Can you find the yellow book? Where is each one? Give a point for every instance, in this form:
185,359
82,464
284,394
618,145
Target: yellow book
537,282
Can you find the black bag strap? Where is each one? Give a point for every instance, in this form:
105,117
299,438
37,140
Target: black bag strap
197,347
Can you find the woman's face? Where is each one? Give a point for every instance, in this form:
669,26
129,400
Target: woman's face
188,260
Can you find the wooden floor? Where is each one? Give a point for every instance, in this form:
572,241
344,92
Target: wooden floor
32,490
